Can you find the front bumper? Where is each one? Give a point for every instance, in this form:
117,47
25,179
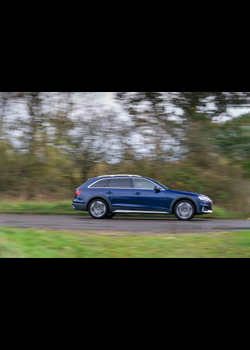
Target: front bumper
207,208
206,211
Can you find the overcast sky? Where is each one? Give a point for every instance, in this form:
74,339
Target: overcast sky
108,96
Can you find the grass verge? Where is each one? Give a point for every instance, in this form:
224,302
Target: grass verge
34,243
48,208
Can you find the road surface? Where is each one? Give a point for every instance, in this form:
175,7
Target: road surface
130,225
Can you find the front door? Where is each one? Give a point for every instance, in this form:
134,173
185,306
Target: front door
146,198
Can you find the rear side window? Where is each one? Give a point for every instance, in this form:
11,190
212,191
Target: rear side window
120,183
100,184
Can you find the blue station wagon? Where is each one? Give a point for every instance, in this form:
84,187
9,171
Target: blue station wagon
107,195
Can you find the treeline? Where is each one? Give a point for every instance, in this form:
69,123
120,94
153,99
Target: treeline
50,143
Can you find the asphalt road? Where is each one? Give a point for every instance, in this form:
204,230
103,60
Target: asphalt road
129,225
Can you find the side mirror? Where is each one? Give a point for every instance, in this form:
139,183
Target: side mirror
157,189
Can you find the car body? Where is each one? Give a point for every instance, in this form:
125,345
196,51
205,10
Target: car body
108,195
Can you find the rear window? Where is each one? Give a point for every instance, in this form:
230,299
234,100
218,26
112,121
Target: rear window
120,183
101,183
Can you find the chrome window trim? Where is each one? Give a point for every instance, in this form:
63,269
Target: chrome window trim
127,188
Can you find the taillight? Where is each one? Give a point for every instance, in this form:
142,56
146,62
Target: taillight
78,193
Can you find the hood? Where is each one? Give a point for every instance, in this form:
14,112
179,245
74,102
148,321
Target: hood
186,193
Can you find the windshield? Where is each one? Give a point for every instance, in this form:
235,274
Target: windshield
164,186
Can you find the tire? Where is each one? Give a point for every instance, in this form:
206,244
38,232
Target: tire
110,216
98,209
184,210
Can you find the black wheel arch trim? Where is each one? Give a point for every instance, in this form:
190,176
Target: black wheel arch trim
191,199
101,196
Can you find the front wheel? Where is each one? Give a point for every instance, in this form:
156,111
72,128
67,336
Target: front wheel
98,209
184,210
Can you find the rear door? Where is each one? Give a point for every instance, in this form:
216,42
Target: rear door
120,193
146,198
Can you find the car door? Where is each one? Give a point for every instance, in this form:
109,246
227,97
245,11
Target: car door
148,199
120,193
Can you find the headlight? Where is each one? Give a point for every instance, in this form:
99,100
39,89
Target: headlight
204,198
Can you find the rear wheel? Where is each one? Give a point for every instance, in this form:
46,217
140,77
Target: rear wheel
184,210
98,209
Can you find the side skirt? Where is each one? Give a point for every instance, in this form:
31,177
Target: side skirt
140,212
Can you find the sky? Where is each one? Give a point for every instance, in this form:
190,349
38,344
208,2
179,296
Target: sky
107,96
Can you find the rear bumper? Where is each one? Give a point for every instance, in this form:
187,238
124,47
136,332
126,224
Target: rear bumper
79,206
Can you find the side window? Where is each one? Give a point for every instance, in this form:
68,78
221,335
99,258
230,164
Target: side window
101,183
143,184
120,183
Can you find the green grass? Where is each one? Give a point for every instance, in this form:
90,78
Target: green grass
219,213
49,208
65,207
34,243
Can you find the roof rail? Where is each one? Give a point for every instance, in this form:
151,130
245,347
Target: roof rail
119,175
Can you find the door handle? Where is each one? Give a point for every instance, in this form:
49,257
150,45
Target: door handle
137,193
109,192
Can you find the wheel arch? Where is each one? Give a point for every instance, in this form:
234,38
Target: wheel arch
99,196
179,199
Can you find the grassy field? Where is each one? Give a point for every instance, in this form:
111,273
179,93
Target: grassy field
30,243
49,208
65,207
